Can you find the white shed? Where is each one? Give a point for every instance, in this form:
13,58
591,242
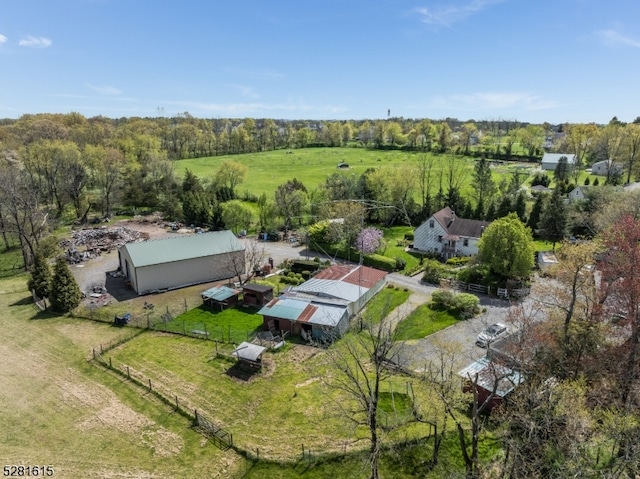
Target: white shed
181,261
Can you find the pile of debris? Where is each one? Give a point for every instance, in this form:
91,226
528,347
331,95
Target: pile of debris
98,240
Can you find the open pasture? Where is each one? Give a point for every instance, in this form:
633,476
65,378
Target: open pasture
267,170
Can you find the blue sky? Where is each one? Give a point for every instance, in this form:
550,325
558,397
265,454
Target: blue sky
533,61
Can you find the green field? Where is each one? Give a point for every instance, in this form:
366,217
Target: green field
422,322
231,325
311,166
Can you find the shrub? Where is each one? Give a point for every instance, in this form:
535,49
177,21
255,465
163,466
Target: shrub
433,271
408,236
463,305
302,265
458,260
380,262
306,274
400,264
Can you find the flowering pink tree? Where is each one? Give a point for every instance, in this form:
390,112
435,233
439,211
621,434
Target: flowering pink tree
369,240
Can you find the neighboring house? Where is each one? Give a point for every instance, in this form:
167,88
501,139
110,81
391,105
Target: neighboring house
181,261
606,168
551,160
579,193
322,307
446,233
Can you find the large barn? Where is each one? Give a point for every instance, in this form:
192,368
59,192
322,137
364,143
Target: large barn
181,261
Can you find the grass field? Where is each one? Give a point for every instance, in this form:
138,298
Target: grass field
58,409
311,166
422,322
385,302
231,325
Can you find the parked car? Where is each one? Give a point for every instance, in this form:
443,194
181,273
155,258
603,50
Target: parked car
493,332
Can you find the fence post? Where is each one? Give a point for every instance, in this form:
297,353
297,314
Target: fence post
257,454
94,353
185,305
109,362
177,405
149,384
128,373
196,415
100,348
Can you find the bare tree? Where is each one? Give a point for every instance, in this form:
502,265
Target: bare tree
362,360
245,266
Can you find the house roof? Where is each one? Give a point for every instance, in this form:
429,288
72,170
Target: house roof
258,288
540,188
488,372
248,351
456,226
219,293
182,247
554,158
292,309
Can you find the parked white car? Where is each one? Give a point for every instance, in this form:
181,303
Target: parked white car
493,332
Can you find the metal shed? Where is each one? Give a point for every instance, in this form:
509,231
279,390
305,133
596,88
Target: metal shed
181,261
220,297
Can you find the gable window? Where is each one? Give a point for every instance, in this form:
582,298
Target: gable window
465,242
440,239
431,223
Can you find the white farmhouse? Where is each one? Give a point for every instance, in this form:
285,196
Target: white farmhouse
449,235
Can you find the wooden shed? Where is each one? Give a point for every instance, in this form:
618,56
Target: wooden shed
257,295
182,260
220,297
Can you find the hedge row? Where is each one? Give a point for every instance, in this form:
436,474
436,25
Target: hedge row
373,260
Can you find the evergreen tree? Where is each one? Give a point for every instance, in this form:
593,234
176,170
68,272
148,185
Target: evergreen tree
587,181
520,206
505,207
40,280
65,293
553,220
561,172
534,216
491,212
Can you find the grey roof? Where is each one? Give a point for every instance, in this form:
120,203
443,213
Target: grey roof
456,226
331,288
284,308
488,372
182,247
326,315
219,293
248,351
554,158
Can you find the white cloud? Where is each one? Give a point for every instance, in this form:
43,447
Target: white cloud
614,38
482,101
3,39
35,42
447,15
105,90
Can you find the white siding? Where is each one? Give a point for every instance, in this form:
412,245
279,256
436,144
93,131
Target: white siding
182,273
425,238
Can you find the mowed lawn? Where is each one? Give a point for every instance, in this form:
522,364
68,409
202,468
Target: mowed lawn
232,325
422,322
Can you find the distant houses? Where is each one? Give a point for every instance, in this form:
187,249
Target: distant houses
606,168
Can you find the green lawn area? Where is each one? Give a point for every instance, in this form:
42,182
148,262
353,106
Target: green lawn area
422,322
384,303
231,325
11,263
394,238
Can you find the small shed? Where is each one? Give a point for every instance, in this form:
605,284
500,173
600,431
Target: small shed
257,295
220,297
249,353
488,376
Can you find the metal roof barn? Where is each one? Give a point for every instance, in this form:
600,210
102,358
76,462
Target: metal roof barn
181,261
